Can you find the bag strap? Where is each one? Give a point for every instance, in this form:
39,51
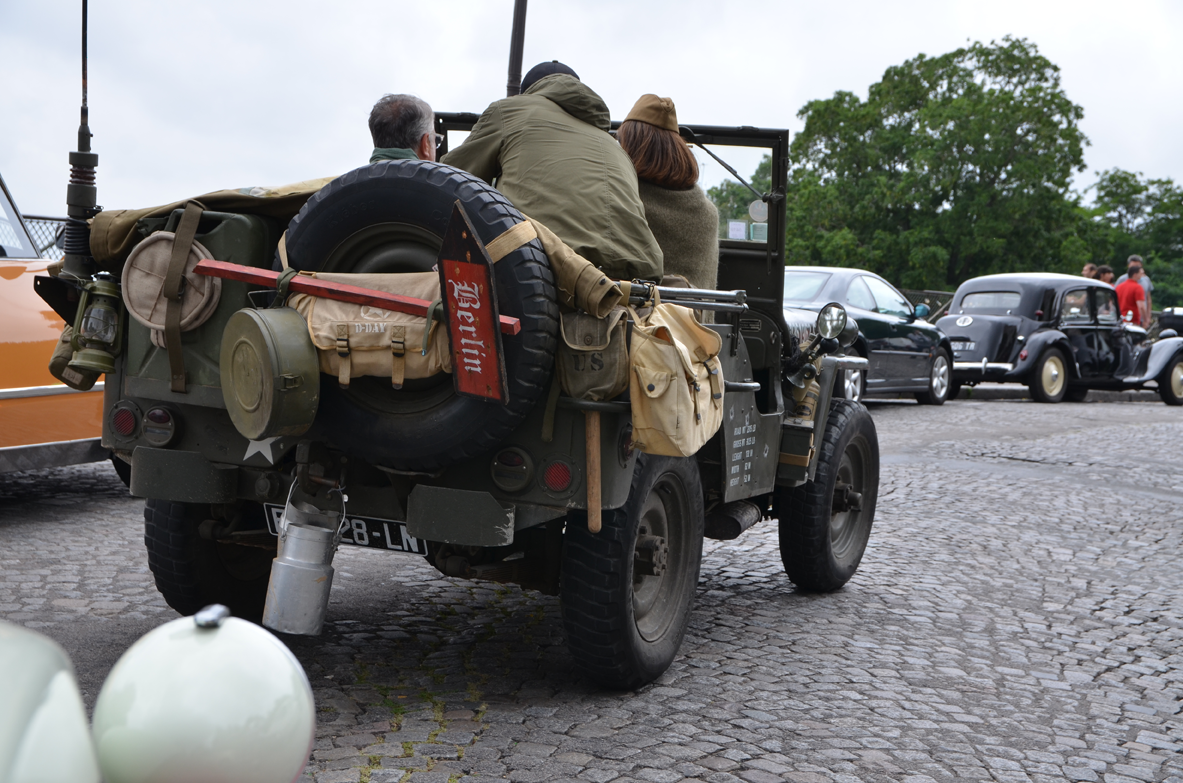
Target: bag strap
510,240
398,353
174,291
433,316
282,249
343,355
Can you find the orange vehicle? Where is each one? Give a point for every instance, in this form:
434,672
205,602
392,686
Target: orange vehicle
43,424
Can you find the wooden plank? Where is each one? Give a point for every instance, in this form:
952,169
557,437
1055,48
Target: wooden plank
470,301
303,284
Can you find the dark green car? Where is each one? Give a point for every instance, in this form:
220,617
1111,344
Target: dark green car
906,353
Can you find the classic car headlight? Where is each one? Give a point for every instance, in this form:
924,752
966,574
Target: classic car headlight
831,321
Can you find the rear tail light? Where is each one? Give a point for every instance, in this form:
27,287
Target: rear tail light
557,476
124,419
160,426
512,470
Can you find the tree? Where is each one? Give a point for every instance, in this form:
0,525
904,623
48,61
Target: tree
954,166
1132,215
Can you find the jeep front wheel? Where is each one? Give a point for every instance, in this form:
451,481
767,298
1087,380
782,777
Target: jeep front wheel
627,591
825,523
193,571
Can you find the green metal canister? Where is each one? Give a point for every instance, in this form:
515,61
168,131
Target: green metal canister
270,373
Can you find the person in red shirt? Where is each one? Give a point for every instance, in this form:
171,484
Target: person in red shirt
1132,299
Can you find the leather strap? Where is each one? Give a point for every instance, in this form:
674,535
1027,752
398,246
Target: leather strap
174,290
281,286
510,240
398,354
344,363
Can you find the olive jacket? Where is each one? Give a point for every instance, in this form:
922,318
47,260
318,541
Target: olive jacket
686,225
550,153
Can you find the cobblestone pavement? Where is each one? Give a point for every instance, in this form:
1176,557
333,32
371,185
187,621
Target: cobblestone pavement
1018,617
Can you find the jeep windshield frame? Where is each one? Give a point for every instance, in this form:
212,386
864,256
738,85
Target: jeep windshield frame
755,267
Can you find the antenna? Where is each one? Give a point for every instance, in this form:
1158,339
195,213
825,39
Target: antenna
517,38
81,194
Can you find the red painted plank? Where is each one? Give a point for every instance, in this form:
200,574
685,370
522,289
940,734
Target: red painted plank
343,292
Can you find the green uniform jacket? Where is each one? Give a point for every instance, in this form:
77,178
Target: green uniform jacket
551,155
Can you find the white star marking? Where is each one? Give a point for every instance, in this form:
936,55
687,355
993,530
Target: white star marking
260,447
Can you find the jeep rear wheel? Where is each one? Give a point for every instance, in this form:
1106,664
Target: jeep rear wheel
824,524
192,572
627,591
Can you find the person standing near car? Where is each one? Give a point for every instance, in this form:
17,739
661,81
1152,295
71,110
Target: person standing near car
549,152
1144,279
1105,274
403,128
1131,299
1089,271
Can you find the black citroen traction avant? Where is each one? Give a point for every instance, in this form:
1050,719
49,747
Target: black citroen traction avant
1060,335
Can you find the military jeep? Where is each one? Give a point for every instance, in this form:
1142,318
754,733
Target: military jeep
495,490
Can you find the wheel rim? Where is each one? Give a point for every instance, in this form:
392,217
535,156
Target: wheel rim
852,385
665,515
848,525
1053,376
1176,379
940,376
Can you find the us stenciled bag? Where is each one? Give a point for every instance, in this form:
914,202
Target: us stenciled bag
353,340
592,360
676,383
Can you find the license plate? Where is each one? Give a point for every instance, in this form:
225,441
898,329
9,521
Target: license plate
963,345
364,531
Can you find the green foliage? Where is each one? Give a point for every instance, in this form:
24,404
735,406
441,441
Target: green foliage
1132,215
954,166
732,199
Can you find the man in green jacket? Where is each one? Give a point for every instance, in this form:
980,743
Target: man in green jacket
549,152
403,128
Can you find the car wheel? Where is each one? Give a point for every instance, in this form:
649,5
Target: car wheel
1076,394
627,591
939,381
954,389
825,524
1049,380
1170,383
850,385
192,571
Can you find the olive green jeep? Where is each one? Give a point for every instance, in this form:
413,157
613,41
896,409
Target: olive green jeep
483,489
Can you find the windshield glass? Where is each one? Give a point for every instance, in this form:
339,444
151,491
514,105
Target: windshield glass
1001,302
14,242
804,286
733,199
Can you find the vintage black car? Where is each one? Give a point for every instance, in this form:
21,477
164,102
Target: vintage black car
1059,334
906,353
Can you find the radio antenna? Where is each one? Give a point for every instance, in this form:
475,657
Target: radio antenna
517,38
81,194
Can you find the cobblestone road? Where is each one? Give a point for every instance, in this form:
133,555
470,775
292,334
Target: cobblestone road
1018,617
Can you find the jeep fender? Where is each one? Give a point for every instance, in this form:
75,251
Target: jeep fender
1035,345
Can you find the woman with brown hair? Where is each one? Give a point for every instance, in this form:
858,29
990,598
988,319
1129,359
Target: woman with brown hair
681,217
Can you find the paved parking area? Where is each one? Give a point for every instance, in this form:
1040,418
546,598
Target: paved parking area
1018,617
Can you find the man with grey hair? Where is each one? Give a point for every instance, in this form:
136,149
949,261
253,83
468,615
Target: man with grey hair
1144,280
403,128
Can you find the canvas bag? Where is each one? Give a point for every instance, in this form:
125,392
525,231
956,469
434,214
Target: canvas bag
592,360
355,340
676,384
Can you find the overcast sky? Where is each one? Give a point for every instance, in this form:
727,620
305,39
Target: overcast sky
191,97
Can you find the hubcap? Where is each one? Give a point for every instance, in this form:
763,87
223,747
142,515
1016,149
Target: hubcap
852,384
1053,376
847,507
940,377
659,557
1177,379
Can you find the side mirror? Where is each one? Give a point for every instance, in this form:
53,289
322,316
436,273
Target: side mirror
921,310
831,321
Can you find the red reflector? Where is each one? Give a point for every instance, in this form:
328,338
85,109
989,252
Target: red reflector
510,459
1023,355
158,416
123,421
557,476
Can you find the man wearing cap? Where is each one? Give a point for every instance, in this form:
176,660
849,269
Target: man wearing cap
403,128
549,152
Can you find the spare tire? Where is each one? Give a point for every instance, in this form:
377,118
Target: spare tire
391,217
